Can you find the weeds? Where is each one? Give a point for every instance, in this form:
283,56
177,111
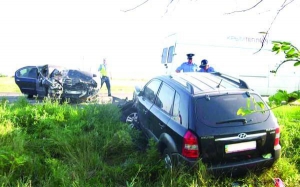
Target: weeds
57,144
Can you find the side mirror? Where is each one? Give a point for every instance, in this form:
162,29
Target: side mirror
94,75
141,93
138,90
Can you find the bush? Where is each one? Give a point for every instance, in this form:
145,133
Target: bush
283,96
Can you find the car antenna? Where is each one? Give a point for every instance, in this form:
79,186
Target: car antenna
218,86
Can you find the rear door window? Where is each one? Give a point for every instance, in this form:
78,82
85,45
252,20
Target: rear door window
176,109
222,110
27,72
165,98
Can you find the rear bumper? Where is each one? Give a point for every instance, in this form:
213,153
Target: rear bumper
249,164
252,164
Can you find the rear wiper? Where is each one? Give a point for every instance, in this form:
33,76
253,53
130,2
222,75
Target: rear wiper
233,120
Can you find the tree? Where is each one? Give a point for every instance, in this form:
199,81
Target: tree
292,54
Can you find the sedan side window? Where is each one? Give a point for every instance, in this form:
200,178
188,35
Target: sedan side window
165,98
32,73
23,72
29,72
151,89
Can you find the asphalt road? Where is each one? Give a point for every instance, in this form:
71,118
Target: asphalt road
117,97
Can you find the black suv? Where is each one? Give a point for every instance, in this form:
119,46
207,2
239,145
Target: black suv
193,116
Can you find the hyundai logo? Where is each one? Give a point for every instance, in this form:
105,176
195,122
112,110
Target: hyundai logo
242,136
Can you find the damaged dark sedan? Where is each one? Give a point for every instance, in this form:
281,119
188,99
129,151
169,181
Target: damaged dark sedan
57,82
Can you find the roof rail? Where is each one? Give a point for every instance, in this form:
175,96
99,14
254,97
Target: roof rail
240,82
188,86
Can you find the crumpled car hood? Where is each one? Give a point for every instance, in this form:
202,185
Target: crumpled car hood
76,85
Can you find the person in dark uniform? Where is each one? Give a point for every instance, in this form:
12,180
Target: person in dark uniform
204,67
188,66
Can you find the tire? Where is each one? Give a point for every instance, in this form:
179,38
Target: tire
167,159
127,109
29,96
132,119
126,105
47,94
129,115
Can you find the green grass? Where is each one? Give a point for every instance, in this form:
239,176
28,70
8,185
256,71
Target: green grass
50,144
7,84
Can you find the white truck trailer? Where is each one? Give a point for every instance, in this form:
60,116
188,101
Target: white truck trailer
236,55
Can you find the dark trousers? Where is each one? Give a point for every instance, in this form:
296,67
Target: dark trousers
105,79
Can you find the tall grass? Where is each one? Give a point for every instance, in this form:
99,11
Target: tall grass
289,120
52,144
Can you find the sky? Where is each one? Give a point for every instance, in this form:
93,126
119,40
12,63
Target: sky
80,33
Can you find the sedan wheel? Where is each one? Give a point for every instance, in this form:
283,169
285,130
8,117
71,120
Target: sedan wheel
132,119
29,96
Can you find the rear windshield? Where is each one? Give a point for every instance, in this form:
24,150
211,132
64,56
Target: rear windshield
222,110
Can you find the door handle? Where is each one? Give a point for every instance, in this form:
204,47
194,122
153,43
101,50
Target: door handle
161,125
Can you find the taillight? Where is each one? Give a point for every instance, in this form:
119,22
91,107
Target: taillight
190,145
277,136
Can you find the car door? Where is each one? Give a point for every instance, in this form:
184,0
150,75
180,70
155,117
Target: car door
146,101
161,111
26,79
43,73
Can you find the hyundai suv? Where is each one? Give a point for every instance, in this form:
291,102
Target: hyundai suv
193,116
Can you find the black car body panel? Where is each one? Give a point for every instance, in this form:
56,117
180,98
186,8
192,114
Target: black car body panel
57,82
204,106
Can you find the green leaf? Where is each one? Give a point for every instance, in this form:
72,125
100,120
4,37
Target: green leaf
286,43
276,42
248,111
248,103
261,105
286,47
243,111
293,94
275,47
4,157
240,112
291,51
297,63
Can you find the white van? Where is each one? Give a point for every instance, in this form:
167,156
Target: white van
236,55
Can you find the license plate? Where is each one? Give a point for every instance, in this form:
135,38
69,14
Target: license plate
239,147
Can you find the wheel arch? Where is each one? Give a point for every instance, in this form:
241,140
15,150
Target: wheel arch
166,141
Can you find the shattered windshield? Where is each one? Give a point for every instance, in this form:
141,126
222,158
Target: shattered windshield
220,110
